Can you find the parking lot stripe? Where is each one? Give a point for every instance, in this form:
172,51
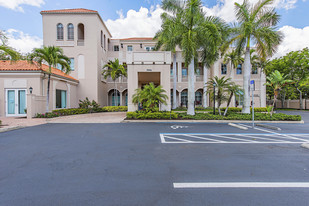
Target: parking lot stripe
174,138
210,139
242,185
260,138
233,138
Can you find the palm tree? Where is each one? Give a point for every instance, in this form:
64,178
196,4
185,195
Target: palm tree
53,56
191,29
150,96
6,50
167,40
114,70
233,89
234,59
276,81
222,85
256,24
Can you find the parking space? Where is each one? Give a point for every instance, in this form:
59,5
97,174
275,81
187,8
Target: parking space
224,138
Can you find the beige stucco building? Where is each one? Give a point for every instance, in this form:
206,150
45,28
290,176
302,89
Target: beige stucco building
84,37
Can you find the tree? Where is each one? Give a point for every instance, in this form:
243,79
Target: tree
191,29
167,39
6,52
234,58
256,24
150,96
276,81
233,89
222,85
296,66
114,70
53,56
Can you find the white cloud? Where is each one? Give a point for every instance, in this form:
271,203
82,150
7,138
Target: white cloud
16,4
142,23
22,42
225,8
294,39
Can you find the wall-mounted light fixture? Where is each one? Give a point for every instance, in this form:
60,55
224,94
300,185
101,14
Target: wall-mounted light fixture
121,46
141,45
30,89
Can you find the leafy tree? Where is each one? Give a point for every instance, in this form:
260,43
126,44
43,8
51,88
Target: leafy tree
222,85
256,24
114,70
53,56
150,96
232,89
191,30
277,81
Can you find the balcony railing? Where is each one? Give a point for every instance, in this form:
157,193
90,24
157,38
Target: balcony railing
80,42
184,78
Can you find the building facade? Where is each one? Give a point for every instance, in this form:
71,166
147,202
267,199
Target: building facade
85,39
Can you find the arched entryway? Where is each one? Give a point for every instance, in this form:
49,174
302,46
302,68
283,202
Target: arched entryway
199,97
113,98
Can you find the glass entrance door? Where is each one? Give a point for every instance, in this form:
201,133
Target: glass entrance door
16,102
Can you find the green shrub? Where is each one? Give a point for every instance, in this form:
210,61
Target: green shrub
115,109
152,115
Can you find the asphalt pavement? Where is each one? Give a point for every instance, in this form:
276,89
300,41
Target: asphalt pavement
128,164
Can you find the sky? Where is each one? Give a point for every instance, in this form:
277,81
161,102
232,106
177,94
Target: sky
22,21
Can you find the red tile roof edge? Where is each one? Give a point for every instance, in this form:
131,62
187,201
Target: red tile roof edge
78,10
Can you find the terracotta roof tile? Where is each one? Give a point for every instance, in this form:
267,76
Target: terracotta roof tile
80,10
137,38
23,65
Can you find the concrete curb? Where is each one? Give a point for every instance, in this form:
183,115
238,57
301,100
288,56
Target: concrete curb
214,121
305,145
268,127
11,128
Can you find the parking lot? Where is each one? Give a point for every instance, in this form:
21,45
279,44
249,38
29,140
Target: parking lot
154,164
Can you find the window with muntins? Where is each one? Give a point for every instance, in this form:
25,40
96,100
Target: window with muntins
72,64
130,48
223,69
239,69
184,72
59,31
254,69
116,48
70,32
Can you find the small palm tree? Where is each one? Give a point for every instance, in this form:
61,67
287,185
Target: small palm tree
234,59
53,56
233,89
221,86
255,24
114,70
150,96
276,81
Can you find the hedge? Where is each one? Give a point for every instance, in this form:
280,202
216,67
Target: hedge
209,116
231,109
74,111
152,115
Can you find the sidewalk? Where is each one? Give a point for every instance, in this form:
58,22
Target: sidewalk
10,123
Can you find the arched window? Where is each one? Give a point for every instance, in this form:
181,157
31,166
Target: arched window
59,31
198,98
102,39
184,99
104,42
70,32
81,32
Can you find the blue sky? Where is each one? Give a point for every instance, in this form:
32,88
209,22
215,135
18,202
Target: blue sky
22,19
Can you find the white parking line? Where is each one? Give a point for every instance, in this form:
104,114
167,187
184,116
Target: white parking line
174,138
242,185
233,138
204,138
260,138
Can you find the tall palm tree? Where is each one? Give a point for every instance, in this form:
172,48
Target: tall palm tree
234,59
6,50
222,85
114,70
53,56
167,40
276,81
256,24
150,96
191,28
233,89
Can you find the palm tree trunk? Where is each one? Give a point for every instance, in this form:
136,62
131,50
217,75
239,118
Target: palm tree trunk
275,99
205,77
114,93
228,103
232,72
300,99
246,83
47,98
174,82
191,95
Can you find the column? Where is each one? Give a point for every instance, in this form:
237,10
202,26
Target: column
120,103
262,89
179,71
